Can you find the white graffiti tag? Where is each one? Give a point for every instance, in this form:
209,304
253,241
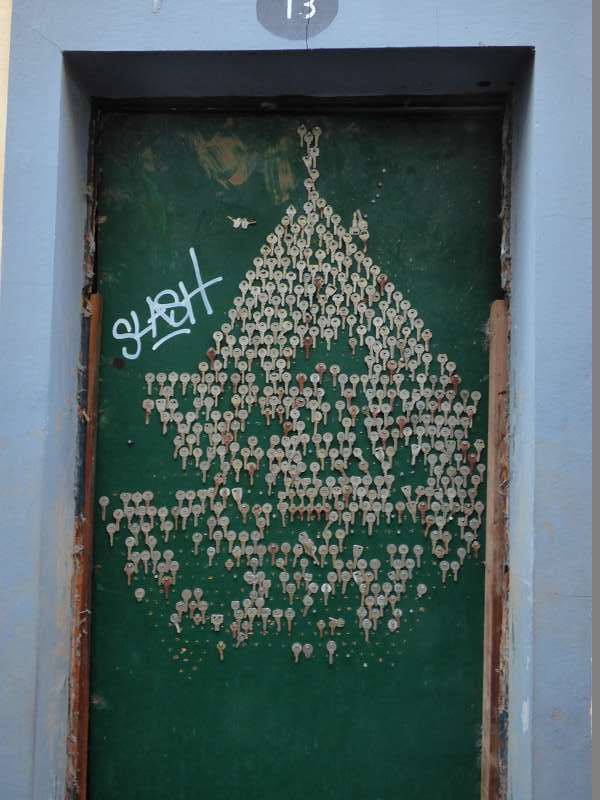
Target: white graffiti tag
169,308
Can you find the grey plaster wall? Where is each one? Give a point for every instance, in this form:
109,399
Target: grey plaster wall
41,279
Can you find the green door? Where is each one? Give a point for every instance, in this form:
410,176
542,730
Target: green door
288,557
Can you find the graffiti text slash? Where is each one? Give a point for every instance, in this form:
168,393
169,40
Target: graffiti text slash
169,308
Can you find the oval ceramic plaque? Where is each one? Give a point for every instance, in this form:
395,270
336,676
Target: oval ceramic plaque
296,19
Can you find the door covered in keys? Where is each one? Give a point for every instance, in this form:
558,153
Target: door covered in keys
290,482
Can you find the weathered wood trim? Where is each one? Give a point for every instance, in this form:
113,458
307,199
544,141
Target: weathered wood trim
493,744
79,689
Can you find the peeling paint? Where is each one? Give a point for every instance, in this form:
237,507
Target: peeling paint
224,158
505,212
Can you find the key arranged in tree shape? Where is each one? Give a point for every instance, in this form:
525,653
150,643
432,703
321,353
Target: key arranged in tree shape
295,455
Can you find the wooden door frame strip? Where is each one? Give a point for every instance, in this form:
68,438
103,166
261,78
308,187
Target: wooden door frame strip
79,686
495,701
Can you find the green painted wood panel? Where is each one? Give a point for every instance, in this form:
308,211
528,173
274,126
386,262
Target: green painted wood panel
399,716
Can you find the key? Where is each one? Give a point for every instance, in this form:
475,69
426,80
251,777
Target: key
218,538
167,583
418,551
174,620
323,551
444,567
345,576
479,509
277,616
421,589
202,608
161,379
474,524
237,554
370,520
129,544
455,567
301,131
290,590
331,647
155,557
400,507
289,614
135,559
139,594
111,529
216,620
297,551
296,651
149,378
185,378
321,627
184,454
273,549
340,534
479,445
332,580
221,650
357,551
333,625
148,407
375,565
118,515
145,557
366,626
265,613
392,625
197,540
103,502
186,596
307,650
129,569
391,550
307,602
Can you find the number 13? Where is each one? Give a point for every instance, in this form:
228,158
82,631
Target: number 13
310,5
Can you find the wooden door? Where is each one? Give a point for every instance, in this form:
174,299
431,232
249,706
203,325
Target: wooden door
288,579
